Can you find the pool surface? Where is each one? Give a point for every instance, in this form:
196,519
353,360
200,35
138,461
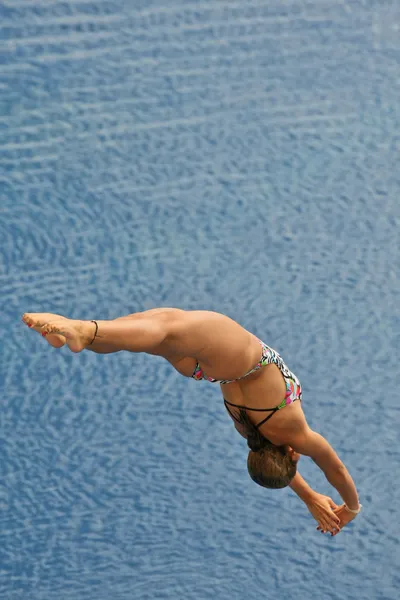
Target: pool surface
241,157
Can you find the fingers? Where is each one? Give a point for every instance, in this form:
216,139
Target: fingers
335,515
339,509
325,526
333,530
331,518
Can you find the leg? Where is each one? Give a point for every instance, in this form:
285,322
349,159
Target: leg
223,345
101,347
147,313
57,340
135,333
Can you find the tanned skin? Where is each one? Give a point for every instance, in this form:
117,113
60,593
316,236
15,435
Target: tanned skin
225,351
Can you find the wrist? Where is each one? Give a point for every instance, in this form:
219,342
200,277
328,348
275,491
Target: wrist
354,511
309,496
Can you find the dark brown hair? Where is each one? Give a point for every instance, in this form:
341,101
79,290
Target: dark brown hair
268,465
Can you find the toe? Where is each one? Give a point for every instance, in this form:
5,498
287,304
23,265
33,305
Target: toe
27,320
51,328
32,321
45,329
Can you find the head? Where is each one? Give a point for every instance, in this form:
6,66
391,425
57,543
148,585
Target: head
268,465
272,466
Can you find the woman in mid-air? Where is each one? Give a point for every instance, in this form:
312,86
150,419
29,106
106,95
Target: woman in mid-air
255,382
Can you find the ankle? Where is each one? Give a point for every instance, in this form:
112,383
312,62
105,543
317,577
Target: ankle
96,329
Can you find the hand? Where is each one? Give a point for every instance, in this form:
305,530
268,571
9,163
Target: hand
323,509
344,515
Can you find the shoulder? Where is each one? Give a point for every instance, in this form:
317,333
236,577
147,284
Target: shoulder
297,434
286,426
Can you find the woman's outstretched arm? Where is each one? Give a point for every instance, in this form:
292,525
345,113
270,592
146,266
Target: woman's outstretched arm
315,446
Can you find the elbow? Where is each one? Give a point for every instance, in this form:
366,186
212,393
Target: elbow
336,472
337,466
332,466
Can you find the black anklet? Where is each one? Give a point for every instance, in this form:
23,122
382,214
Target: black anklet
95,333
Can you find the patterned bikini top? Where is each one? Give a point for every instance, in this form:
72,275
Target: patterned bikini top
269,356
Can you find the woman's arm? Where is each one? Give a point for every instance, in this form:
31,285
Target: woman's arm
301,488
321,507
312,444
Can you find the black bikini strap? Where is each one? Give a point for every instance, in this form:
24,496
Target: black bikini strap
274,410
247,408
271,410
231,413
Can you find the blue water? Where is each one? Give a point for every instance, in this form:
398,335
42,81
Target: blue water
235,156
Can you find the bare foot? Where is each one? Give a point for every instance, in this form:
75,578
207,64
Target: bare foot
36,322
76,334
